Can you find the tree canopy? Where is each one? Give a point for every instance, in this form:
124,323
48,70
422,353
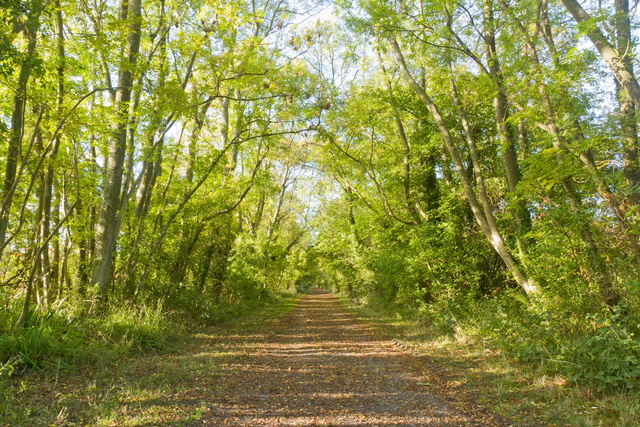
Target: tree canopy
433,154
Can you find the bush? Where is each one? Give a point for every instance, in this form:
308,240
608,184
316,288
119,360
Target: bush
50,338
134,329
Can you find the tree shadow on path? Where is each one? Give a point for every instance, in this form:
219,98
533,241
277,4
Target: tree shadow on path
320,365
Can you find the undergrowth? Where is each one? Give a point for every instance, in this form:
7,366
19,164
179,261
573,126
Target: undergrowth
63,336
601,350
526,363
501,352
117,370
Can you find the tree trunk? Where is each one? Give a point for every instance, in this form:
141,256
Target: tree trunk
255,224
274,221
352,218
406,153
485,222
521,217
48,275
82,276
14,149
622,73
106,230
596,263
156,245
628,124
205,265
55,240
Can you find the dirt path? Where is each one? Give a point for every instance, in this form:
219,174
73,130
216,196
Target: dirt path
320,365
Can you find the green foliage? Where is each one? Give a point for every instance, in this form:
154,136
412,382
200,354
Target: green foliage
136,329
601,351
609,357
61,337
266,156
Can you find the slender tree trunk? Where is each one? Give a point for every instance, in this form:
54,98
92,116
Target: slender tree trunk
597,264
352,218
274,222
55,240
82,276
237,130
106,230
41,284
523,140
258,217
24,315
152,160
14,149
187,241
224,134
185,254
522,219
205,265
616,63
38,248
629,133
628,123
156,245
151,165
485,222
49,272
406,153
91,238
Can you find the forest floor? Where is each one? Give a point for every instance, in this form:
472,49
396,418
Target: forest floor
317,364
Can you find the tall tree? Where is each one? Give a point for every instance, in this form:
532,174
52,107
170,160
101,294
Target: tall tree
106,230
521,214
617,63
14,150
628,121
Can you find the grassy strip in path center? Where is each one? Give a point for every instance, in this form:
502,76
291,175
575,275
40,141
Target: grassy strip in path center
169,387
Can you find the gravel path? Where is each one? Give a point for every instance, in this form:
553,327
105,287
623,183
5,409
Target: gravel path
320,365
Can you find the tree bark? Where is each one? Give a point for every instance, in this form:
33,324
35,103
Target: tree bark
274,221
628,124
406,153
156,245
106,230
49,275
522,219
205,265
620,70
597,264
82,276
14,148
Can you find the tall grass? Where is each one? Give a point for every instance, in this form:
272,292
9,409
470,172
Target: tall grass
65,334
62,335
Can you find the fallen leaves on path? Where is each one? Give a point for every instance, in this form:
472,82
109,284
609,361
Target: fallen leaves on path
320,365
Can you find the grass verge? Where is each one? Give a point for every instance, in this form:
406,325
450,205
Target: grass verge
472,372
148,386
